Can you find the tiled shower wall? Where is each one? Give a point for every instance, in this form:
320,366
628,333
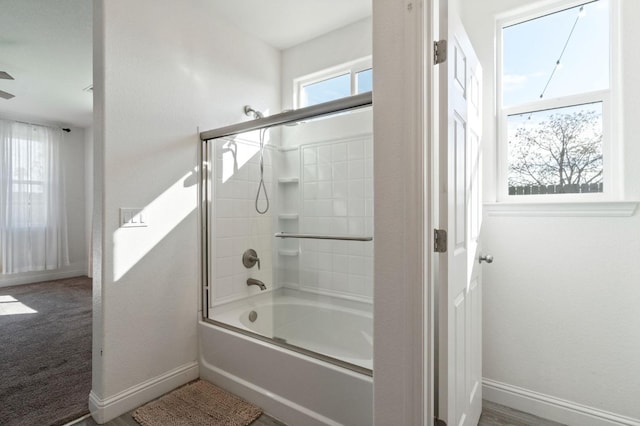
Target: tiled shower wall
237,226
336,195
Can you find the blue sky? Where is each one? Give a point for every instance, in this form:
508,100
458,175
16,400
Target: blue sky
532,48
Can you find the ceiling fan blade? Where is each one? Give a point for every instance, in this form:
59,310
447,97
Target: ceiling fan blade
5,76
6,95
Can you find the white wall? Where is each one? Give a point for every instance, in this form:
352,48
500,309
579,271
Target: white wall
560,300
162,69
73,163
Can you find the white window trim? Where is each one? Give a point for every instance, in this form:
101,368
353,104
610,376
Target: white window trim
612,142
351,67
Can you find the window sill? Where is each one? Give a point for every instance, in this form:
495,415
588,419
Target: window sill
563,209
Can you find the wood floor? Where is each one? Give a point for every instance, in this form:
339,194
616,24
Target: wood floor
499,415
492,415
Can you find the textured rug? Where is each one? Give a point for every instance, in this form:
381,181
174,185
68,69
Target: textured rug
45,352
197,404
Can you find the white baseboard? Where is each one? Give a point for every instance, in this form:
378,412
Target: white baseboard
75,269
550,407
104,410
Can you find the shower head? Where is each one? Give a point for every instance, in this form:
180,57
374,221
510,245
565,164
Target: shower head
250,111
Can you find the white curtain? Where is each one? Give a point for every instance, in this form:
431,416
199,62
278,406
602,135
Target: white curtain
33,219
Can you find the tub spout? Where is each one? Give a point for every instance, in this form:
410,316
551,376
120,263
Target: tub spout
253,281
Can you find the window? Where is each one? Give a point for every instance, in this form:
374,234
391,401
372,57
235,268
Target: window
33,228
335,83
554,96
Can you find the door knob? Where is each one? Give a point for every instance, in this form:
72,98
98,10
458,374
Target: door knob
485,258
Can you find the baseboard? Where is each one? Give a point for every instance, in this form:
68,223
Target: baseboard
76,269
104,410
550,407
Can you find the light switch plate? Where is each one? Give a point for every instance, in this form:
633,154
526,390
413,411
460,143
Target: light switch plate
132,218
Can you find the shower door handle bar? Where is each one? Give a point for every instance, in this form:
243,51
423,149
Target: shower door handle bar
343,104
322,237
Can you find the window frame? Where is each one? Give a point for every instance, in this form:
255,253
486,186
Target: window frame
352,68
611,142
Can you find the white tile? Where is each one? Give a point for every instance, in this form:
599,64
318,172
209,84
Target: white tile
339,152
223,228
224,247
340,263
357,226
223,287
325,279
340,189
368,147
368,266
339,207
340,170
310,208
223,208
356,150
325,261
310,155
368,207
356,169
325,207
356,189
340,282
224,267
310,172
356,207
340,226
310,191
324,171
357,265
325,189
324,154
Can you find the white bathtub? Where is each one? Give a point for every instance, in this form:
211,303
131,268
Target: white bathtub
292,386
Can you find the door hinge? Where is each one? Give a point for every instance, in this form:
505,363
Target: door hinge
440,240
439,51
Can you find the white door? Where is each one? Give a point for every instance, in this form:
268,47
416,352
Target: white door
460,291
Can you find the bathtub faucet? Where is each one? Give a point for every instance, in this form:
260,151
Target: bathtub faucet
253,281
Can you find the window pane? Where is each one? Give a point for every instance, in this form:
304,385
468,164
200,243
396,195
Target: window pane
326,90
556,151
560,54
364,81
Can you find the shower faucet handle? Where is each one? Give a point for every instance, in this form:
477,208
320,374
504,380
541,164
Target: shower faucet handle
250,258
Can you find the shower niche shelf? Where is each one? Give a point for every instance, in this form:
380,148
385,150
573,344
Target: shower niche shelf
288,216
285,180
288,253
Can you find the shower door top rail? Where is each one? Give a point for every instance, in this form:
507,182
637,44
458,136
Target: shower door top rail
344,104
322,237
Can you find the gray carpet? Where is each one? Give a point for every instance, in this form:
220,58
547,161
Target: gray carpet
45,357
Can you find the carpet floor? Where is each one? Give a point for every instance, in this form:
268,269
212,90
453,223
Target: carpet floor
45,352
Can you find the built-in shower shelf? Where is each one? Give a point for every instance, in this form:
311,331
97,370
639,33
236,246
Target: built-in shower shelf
288,216
290,253
288,180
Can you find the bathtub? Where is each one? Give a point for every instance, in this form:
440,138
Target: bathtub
282,377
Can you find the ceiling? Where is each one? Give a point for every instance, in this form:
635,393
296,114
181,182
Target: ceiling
47,47
285,23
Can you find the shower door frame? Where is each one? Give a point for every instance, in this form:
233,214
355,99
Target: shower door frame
342,105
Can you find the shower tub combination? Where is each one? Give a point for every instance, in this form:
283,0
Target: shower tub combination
304,356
